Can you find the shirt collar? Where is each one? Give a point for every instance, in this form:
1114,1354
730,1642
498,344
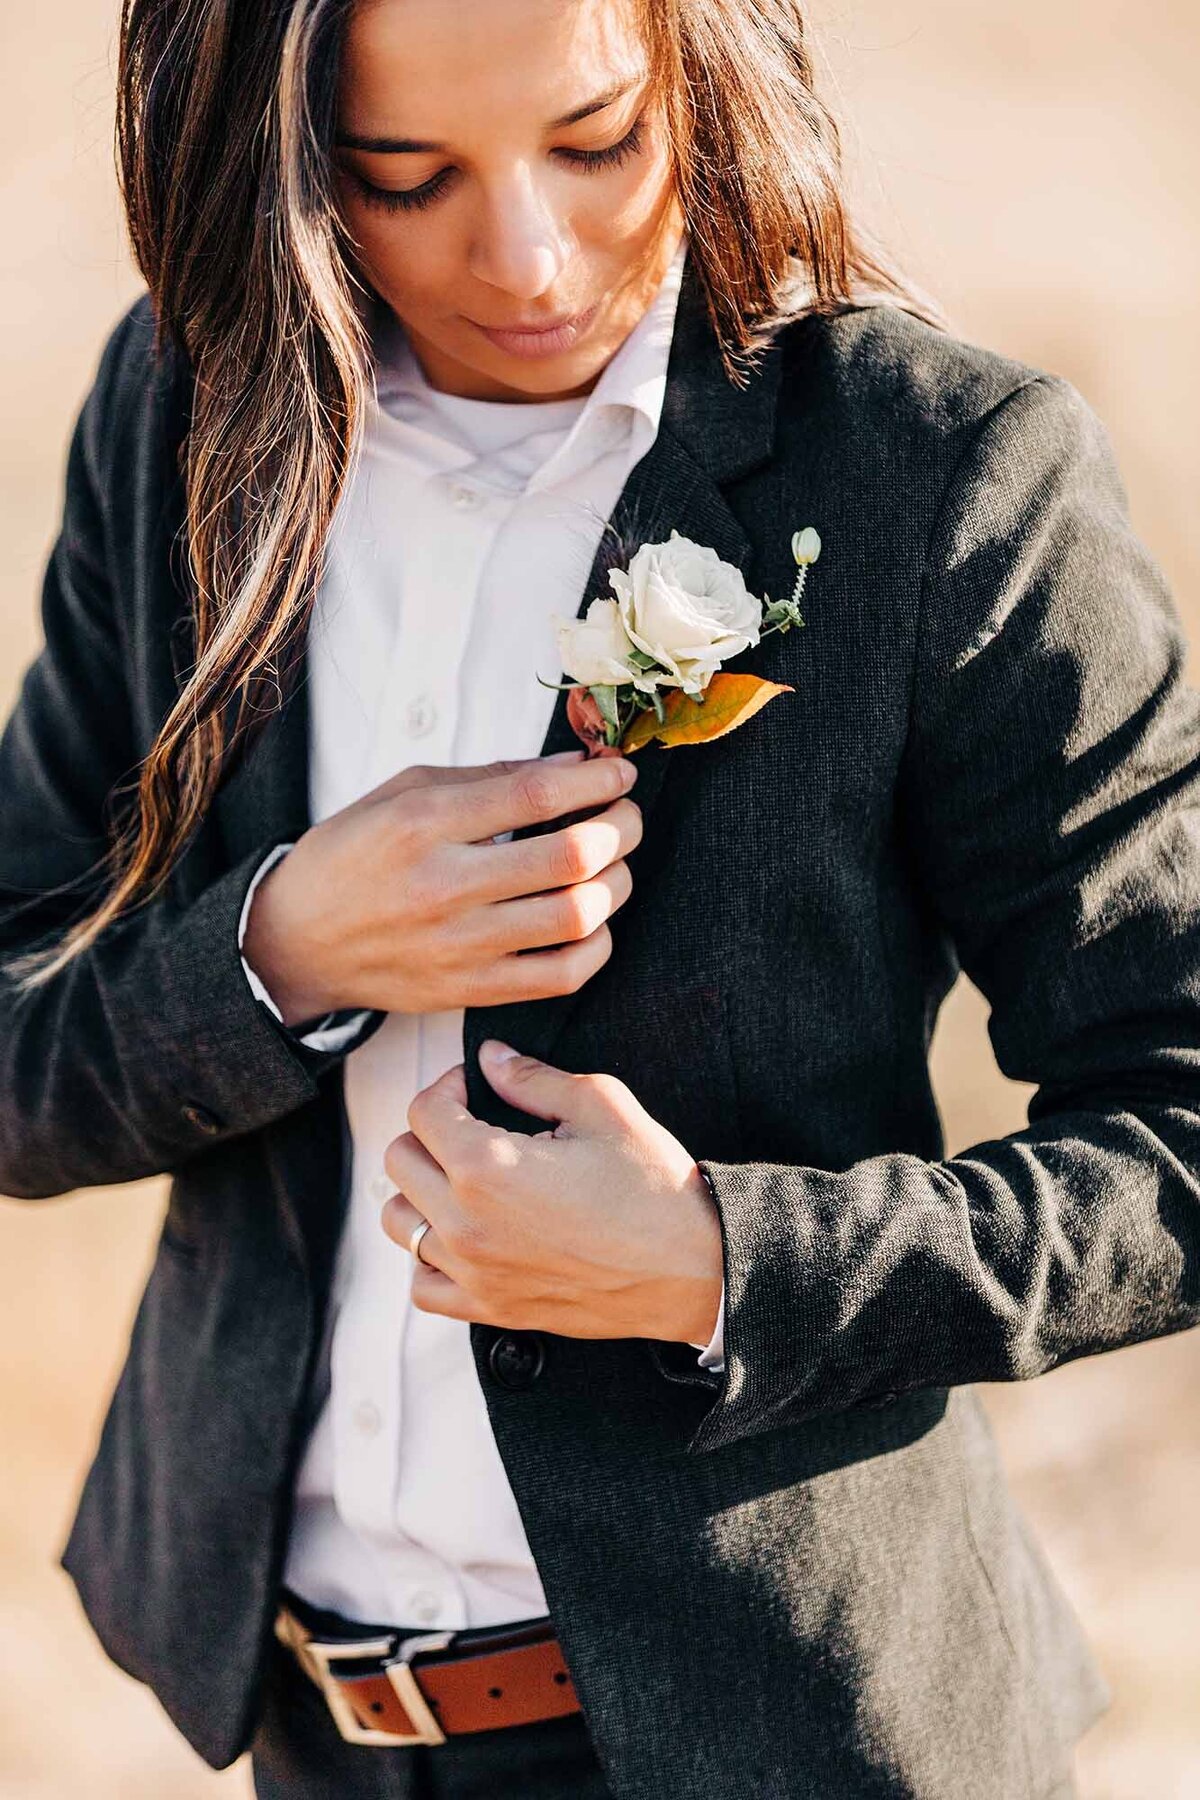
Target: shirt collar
628,397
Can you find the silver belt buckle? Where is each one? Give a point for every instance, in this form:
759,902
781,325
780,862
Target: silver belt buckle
315,1658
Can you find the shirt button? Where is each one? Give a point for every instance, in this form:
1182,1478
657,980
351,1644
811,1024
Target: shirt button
421,715
424,1606
464,498
516,1358
381,1187
367,1418
201,1118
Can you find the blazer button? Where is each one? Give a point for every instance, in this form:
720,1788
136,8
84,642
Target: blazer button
516,1358
201,1118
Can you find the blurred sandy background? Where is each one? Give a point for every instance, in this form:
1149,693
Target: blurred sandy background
1033,162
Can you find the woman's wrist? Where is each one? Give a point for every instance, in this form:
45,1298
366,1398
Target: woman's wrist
272,949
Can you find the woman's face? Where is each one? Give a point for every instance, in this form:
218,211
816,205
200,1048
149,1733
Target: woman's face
504,216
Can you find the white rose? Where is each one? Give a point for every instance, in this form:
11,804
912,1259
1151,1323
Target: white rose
594,649
686,608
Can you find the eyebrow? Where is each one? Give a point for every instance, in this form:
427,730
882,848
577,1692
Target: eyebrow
386,146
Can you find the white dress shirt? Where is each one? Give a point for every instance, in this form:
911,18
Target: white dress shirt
465,523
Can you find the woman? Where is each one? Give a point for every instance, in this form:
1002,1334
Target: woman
597,1420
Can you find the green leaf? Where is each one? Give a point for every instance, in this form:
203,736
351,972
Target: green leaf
606,699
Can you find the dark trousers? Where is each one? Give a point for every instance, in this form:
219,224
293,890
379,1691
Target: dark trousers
298,1754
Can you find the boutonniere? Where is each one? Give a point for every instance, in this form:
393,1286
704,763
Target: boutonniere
645,664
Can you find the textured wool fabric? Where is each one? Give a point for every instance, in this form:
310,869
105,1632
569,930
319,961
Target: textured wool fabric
805,1576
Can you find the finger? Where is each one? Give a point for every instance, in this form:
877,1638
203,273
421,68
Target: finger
417,1174
535,974
435,1292
400,1218
557,859
455,1080
527,796
438,1116
587,1106
453,774
561,917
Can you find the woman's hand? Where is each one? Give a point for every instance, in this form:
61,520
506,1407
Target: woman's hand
403,902
603,1227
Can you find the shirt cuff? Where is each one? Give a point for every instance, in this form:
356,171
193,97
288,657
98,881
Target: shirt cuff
322,1035
712,1354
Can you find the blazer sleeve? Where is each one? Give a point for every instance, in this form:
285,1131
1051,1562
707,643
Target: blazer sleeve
150,1047
1050,797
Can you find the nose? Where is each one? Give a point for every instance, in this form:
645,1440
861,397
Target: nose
521,244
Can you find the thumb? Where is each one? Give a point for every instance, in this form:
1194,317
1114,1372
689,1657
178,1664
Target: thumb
548,1093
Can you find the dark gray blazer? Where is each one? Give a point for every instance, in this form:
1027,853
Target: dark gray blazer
806,1576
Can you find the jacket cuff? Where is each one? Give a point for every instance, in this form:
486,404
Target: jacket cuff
244,1068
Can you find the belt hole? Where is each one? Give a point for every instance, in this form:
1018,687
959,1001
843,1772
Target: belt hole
495,1692
377,1706
560,1675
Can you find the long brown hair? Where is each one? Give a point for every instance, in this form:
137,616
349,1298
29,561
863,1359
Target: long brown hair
225,125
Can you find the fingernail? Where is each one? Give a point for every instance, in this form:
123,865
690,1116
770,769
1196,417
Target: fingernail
564,756
628,772
496,1051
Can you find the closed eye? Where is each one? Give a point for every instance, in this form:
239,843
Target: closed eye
406,199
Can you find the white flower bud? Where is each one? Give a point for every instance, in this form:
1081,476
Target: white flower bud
806,546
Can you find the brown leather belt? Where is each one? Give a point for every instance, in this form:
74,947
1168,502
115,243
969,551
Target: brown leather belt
420,1688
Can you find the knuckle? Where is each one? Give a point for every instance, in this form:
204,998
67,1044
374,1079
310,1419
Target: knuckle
472,1173
608,1086
462,1237
634,825
444,951
393,1161
429,886
412,812
475,985
582,961
422,1291
575,913
537,793
520,977
400,787
615,782
569,856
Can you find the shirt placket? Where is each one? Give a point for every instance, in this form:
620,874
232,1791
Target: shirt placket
449,534
449,530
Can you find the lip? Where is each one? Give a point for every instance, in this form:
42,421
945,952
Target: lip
550,342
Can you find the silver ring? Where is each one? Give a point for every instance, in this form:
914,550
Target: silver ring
414,1242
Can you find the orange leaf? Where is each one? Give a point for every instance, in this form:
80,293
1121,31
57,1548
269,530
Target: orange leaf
729,700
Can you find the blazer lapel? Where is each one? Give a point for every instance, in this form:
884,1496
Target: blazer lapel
711,434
